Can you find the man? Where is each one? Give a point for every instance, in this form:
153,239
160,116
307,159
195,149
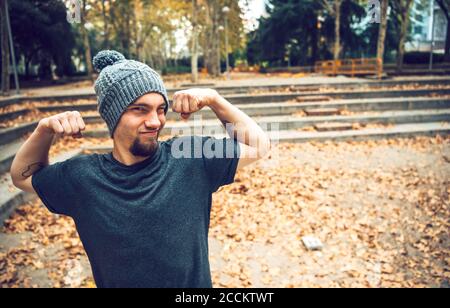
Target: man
142,212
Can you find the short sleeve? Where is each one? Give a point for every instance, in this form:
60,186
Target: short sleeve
221,158
53,186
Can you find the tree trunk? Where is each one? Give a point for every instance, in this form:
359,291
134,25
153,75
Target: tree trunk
216,38
447,43
211,43
315,39
86,45
105,26
404,7
401,45
337,29
215,42
125,36
5,49
445,7
122,24
194,47
208,56
27,68
382,30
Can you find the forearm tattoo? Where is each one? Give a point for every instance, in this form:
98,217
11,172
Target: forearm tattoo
33,168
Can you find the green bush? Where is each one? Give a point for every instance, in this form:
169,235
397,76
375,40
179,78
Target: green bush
176,70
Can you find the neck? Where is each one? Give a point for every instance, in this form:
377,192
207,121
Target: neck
125,157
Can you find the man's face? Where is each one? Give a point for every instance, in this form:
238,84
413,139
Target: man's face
140,125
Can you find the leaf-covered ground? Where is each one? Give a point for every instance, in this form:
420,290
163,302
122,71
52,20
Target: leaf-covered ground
381,209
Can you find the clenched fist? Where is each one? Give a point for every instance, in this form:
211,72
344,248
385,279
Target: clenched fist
189,101
69,123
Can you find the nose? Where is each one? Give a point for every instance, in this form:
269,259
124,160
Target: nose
152,121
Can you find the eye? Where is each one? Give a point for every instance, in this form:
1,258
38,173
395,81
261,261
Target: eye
138,109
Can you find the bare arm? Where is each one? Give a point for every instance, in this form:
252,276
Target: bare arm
254,142
33,154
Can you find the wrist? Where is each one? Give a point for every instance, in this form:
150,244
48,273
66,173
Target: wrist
214,100
212,97
43,131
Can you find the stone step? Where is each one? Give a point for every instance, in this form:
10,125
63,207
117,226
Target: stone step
393,131
311,99
7,153
296,85
198,85
322,112
12,115
12,134
327,127
273,98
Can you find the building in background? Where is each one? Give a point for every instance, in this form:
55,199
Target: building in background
422,14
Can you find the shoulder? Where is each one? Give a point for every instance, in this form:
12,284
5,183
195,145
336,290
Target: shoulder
78,163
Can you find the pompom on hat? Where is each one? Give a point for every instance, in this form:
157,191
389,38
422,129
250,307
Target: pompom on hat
120,83
105,58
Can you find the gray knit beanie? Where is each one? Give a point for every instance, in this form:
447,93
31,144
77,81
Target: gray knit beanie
120,83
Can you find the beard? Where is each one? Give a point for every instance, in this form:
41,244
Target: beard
144,149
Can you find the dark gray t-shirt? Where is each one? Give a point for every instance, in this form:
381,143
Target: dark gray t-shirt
144,225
